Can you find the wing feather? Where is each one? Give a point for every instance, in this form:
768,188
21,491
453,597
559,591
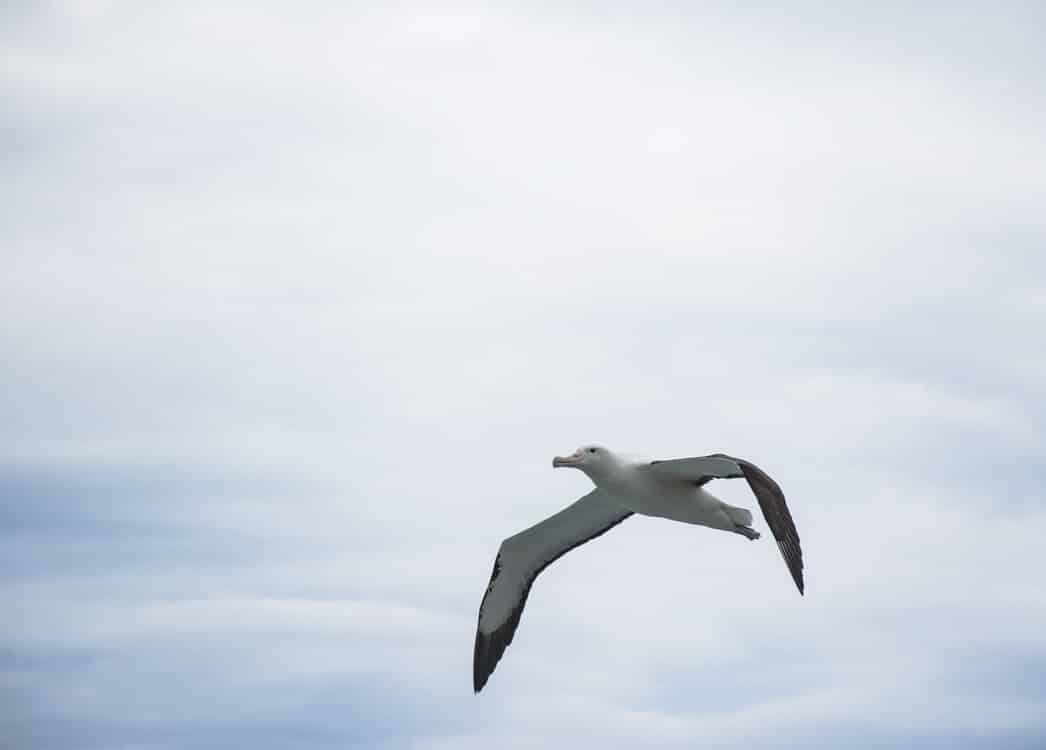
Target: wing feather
778,518
519,561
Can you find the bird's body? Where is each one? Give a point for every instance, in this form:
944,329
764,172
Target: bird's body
635,486
672,489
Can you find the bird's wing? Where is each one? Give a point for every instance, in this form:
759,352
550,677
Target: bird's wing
703,469
520,559
699,470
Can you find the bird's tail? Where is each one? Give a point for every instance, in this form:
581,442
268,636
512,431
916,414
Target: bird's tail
740,516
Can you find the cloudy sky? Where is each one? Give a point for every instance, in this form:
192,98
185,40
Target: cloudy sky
297,303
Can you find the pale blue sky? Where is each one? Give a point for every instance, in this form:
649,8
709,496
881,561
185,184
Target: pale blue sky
297,305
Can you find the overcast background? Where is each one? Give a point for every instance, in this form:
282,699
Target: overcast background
297,302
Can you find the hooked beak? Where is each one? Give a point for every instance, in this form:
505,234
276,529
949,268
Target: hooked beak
571,460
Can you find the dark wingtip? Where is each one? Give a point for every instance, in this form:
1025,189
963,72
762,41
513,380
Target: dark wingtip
797,576
778,517
482,664
478,678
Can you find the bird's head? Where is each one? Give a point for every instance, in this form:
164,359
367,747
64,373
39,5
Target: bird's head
594,460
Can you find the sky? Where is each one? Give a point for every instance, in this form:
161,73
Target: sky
298,302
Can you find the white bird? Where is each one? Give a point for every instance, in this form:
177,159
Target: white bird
672,489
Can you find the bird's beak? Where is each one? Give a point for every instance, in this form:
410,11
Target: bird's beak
571,460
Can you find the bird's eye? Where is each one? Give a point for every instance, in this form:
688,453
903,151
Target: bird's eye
591,450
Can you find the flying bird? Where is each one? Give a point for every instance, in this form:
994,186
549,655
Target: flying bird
673,489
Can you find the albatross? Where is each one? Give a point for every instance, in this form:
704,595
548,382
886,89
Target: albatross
672,489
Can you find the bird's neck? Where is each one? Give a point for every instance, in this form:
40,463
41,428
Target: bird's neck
606,472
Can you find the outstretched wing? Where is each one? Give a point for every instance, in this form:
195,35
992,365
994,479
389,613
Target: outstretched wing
699,470
520,559
771,499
